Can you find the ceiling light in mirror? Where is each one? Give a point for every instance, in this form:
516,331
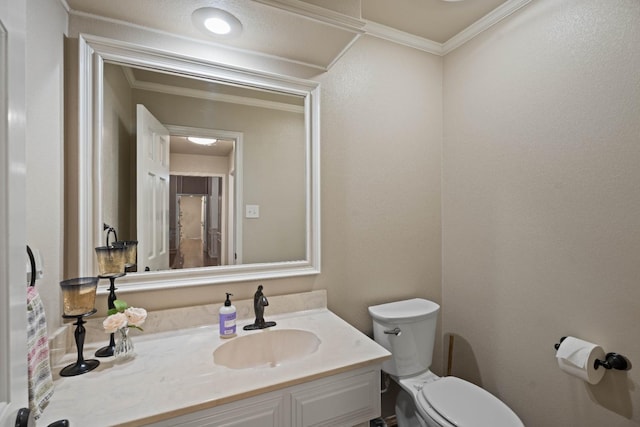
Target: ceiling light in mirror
202,141
218,22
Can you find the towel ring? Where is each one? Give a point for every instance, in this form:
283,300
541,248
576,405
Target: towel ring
32,261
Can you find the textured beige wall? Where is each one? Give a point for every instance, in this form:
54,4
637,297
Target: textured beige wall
46,23
381,148
541,208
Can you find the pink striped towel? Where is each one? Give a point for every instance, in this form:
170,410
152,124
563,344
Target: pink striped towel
39,368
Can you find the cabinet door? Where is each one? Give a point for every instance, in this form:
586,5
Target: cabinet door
338,401
345,399
261,411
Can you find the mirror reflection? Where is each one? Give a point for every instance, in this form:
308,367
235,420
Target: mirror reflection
238,197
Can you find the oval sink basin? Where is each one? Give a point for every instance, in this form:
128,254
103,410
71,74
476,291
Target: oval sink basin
266,348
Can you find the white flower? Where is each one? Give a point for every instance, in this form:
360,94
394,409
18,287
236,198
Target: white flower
136,316
114,322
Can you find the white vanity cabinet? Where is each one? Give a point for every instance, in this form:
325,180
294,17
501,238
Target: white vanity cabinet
346,399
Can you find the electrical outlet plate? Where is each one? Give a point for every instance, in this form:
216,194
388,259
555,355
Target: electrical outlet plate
252,211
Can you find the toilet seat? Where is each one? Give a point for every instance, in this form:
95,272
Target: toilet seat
464,404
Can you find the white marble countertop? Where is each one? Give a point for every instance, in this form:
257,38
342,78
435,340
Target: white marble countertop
173,372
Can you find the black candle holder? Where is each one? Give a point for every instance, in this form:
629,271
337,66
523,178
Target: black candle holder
109,350
81,366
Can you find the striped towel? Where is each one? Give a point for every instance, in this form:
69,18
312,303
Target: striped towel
39,368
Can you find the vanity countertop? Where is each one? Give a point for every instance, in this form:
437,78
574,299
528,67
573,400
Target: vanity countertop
173,372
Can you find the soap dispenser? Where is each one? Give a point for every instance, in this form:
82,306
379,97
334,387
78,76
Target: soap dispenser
228,319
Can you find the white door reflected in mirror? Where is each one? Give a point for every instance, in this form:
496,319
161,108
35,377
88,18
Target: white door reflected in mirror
152,197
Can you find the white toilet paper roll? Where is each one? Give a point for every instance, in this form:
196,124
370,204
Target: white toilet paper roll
577,357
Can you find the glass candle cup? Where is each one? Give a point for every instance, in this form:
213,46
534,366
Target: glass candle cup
78,295
130,251
111,260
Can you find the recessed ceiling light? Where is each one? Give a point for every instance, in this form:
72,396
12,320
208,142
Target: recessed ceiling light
217,26
202,141
217,22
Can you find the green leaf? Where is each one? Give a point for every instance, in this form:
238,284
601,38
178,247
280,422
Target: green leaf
111,311
119,305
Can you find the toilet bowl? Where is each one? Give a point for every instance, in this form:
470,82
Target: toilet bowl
407,329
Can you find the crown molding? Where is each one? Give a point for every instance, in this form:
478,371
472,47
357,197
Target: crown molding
317,13
441,49
209,96
400,37
483,24
391,34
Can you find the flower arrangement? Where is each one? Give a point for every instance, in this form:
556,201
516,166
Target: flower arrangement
123,316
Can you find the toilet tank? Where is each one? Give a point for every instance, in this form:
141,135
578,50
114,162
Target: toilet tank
412,347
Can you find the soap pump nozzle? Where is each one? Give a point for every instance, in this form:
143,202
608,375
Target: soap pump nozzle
227,303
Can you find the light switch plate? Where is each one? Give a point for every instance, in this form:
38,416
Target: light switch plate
252,211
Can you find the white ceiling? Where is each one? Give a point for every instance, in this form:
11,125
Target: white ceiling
312,32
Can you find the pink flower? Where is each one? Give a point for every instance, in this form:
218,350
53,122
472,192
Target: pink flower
114,322
136,316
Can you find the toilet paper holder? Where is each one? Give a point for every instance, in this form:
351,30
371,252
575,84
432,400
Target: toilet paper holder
611,360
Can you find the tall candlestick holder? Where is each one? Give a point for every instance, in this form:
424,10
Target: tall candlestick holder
79,297
109,350
81,366
111,264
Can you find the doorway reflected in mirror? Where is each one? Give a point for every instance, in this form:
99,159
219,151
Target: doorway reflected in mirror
195,219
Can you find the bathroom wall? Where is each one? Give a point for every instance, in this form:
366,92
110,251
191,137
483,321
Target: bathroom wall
541,208
381,131
381,128
46,25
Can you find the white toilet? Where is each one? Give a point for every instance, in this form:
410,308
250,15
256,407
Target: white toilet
407,329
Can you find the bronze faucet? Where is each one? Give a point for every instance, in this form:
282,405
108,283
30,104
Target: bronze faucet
259,303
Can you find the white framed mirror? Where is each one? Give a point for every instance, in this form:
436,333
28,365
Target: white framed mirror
258,206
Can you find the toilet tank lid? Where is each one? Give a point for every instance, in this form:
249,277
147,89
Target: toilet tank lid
466,405
406,310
